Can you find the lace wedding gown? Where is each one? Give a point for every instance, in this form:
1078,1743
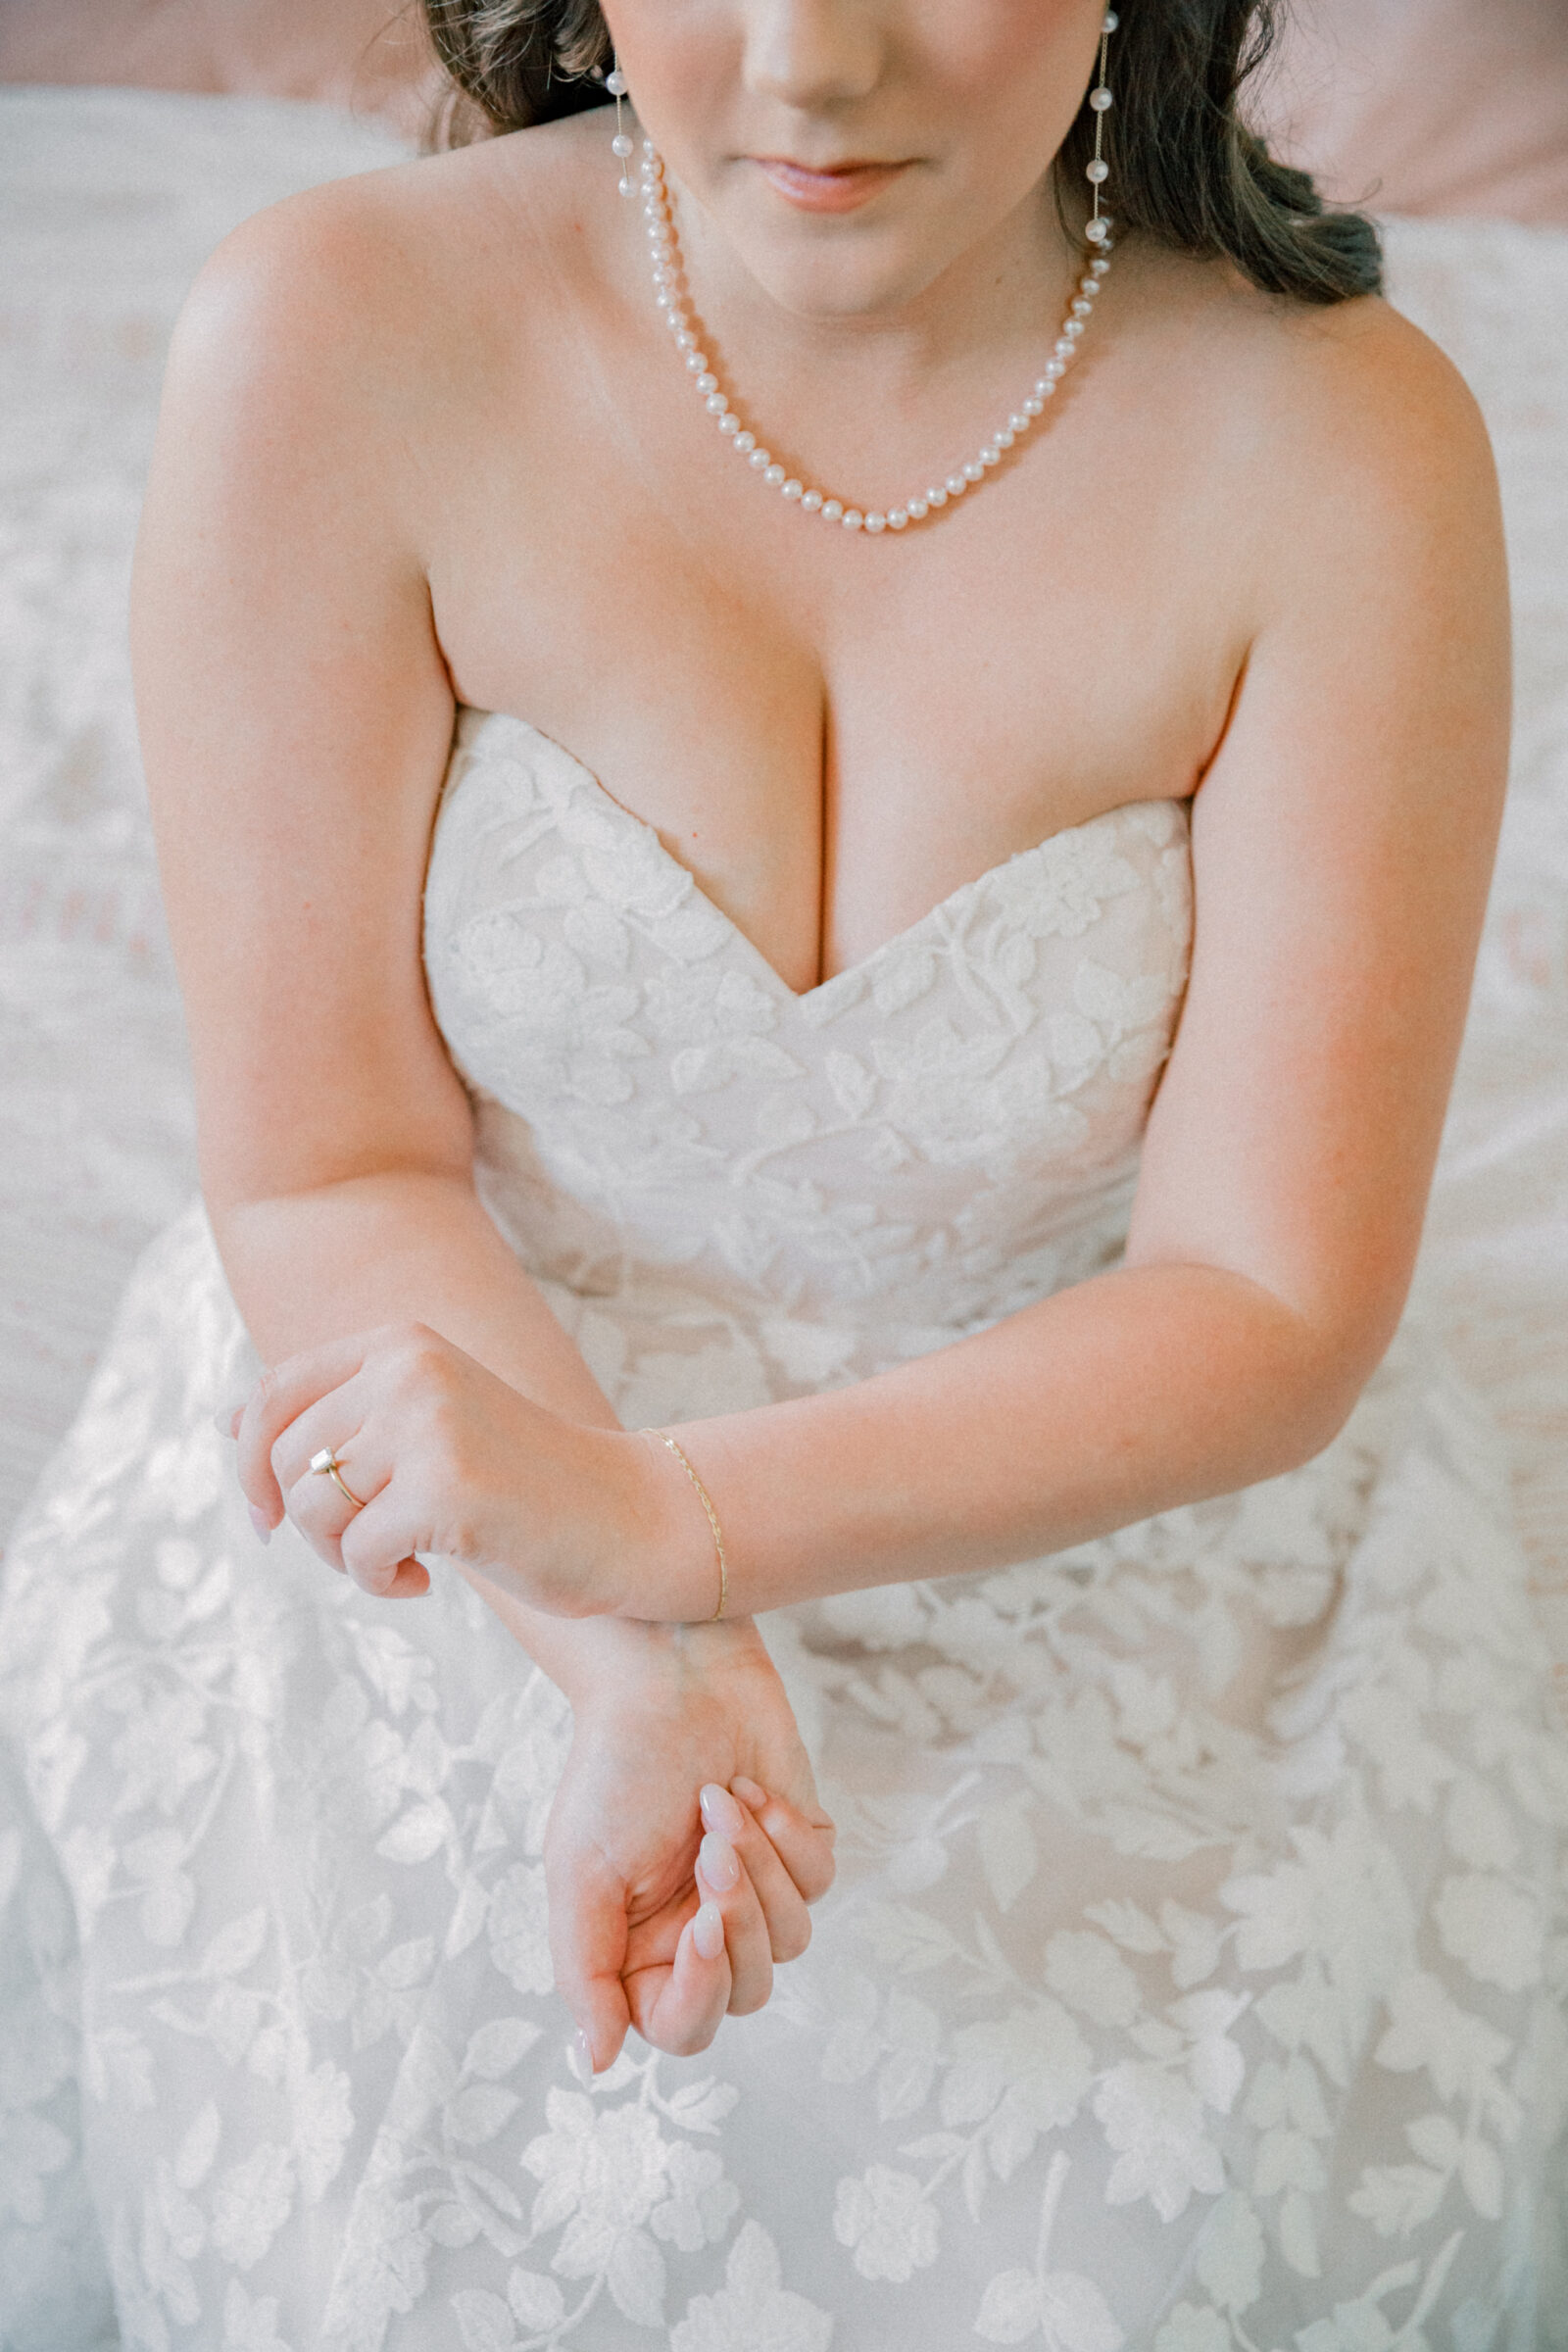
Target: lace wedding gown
1193,1977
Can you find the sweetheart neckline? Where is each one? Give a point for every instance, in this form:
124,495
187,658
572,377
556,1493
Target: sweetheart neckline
800,998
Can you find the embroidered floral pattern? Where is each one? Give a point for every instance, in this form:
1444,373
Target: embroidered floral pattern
840,1154
1194,1975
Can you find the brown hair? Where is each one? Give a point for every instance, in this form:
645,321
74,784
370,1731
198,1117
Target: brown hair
1186,167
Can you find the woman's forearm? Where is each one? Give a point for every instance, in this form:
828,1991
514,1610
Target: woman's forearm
408,1246
401,1247
1144,1389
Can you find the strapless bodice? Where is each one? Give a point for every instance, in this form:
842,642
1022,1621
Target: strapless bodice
928,1138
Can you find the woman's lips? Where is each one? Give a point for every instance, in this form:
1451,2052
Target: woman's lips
838,189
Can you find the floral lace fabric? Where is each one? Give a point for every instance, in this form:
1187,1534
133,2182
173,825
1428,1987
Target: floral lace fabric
1194,1979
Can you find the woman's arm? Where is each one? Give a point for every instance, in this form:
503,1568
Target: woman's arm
296,719
1343,839
1342,842
295,716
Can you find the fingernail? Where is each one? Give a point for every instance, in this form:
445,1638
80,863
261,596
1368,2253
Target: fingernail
750,1793
580,2058
708,1932
719,1863
721,1812
261,1523
226,1420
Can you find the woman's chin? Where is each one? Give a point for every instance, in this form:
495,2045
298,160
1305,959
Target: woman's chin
839,279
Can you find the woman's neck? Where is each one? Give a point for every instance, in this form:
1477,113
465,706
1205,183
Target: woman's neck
989,314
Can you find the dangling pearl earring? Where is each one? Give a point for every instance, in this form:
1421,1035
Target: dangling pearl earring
621,145
1098,230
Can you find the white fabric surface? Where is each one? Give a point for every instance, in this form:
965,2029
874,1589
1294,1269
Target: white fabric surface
1189,1882
1364,1873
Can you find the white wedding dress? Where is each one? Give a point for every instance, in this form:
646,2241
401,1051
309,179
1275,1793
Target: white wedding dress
1192,1979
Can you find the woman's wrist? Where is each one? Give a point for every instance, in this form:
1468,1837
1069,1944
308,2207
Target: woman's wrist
608,1651
670,1568
610,1660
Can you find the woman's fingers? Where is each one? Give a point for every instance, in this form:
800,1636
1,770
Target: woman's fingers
804,1843
724,1941
278,1398
784,1911
318,1507
722,1881
721,1961
587,1909
379,1544
679,2006
325,1512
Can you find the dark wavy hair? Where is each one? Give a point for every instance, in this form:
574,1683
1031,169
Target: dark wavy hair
1188,170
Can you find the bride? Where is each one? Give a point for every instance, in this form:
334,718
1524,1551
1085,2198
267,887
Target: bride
853,1035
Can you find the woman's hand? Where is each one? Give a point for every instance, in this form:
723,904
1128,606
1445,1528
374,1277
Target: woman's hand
440,1456
686,1839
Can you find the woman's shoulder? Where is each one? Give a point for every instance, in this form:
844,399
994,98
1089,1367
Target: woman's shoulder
350,286
1323,400
505,186
1333,438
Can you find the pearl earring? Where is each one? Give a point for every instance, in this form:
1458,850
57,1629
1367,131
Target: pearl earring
621,145
1098,230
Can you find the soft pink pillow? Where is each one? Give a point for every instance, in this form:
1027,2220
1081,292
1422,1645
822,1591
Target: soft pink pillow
1428,106
371,55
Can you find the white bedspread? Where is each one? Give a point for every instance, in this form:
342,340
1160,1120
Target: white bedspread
109,200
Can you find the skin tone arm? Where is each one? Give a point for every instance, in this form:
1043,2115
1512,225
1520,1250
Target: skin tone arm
1342,840
1343,846
296,719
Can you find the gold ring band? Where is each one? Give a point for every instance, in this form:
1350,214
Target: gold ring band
326,1465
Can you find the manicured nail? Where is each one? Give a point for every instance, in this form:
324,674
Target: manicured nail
749,1793
708,1932
719,1863
721,1812
261,1523
580,2058
227,1419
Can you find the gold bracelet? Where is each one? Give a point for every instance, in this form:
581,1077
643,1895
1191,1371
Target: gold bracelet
705,1501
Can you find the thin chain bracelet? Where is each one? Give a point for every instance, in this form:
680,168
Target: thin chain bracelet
706,1500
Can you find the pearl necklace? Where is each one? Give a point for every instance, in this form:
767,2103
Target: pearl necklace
664,253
